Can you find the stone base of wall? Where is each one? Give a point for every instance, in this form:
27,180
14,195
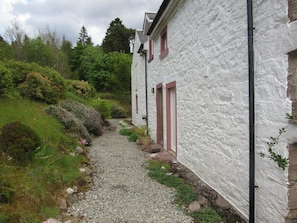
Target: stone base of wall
209,196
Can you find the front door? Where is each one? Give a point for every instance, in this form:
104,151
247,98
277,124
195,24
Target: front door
171,116
159,100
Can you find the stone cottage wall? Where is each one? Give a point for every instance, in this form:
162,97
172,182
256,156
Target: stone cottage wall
208,59
138,85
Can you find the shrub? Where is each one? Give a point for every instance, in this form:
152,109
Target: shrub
81,88
4,218
38,88
126,132
102,107
6,83
133,137
185,194
19,141
118,111
88,115
73,125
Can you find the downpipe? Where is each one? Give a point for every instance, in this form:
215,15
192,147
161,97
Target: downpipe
251,111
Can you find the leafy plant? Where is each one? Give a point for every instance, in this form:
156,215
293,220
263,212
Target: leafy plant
185,194
118,111
81,88
4,218
142,130
19,141
88,115
133,137
206,215
73,125
126,132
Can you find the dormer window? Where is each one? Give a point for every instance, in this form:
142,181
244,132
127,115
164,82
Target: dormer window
164,43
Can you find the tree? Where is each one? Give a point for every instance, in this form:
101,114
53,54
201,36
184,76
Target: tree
84,38
5,50
117,37
15,35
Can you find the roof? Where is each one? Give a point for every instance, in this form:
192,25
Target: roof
143,38
148,20
158,16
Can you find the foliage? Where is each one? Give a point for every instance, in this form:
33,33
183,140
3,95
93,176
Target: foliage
281,161
126,132
118,111
81,88
88,115
37,185
74,126
185,194
4,218
84,38
142,130
6,192
133,137
118,37
206,215
39,88
6,83
29,76
19,141
5,50
103,107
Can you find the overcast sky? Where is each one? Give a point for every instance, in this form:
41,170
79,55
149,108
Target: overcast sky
66,17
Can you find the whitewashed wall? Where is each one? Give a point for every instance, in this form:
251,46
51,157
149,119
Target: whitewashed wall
208,59
138,84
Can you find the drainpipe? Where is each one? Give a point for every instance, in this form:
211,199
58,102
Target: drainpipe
146,97
143,52
251,112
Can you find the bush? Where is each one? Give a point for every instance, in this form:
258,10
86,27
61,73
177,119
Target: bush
73,125
6,83
81,88
102,107
88,115
118,111
126,132
133,137
39,88
19,141
4,218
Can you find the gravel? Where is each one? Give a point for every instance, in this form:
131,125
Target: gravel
122,191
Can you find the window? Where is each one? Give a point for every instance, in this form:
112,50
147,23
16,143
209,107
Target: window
151,51
164,43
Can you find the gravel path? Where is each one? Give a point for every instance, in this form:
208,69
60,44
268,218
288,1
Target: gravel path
122,190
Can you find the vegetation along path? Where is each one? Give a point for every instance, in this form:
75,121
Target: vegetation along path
122,190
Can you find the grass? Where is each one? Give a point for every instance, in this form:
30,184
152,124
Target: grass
162,172
37,185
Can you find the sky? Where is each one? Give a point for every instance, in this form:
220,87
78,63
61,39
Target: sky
66,17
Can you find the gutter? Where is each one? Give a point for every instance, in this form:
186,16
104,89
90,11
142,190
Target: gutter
158,16
251,111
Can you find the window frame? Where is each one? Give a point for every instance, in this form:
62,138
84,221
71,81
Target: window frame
164,43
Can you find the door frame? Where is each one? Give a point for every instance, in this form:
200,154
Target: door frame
169,86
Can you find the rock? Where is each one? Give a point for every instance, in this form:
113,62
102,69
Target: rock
51,220
88,171
62,204
72,154
75,189
82,170
221,202
163,156
79,150
69,191
74,219
203,201
154,148
194,206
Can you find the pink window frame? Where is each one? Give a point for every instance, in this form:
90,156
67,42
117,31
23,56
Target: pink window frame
164,43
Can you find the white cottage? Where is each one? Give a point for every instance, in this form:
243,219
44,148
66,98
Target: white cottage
214,81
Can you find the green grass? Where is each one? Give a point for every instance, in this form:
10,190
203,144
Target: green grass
52,169
162,172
